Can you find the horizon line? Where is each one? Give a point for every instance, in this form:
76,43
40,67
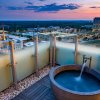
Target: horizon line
51,20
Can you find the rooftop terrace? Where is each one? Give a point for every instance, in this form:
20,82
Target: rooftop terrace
29,60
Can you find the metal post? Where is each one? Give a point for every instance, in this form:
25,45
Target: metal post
54,50
76,49
51,51
36,55
13,63
90,63
83,58
87,58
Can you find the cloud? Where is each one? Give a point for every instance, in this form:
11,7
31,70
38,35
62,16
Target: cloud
14,8
54,7
27,2
32,8
48,8
94,7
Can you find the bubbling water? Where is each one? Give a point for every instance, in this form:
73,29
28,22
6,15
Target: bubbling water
78,78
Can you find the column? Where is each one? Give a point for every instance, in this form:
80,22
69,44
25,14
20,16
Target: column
76,49
51,50
54,50
13,63
36,55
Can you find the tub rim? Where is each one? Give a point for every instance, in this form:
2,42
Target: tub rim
52,75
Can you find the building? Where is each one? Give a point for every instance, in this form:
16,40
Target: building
96,24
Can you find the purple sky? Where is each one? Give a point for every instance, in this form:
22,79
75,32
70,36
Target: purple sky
49,9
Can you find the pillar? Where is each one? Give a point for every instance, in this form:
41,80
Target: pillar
76,49
13,63
54,50
51,50
36,54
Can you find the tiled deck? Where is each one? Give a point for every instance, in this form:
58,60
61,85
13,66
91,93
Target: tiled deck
38,91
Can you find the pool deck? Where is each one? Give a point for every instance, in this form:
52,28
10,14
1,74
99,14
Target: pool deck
38,91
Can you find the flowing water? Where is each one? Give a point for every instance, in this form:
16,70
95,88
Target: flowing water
79,77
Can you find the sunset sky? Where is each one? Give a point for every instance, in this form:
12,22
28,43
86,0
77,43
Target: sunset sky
49,9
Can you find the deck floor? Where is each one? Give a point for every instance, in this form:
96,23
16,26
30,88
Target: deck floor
38,91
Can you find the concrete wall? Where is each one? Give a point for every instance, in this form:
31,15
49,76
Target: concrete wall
25,64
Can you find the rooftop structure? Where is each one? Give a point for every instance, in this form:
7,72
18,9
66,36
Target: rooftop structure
97,20
96,24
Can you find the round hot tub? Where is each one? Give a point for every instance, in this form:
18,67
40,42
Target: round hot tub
67,85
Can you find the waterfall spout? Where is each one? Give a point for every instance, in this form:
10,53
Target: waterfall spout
82,69
83,66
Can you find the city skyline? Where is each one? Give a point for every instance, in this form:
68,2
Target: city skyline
49,9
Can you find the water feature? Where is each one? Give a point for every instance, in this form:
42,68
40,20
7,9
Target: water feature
77,80
65,85
83,66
